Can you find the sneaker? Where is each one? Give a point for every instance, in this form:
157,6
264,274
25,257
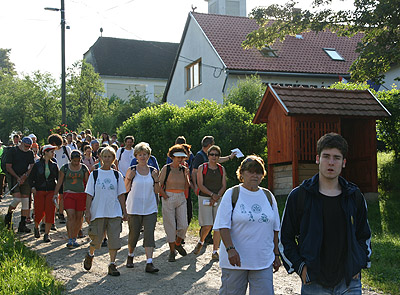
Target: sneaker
104,243
215,256
53,227
171,257
87,263
197,248
70,244
129,262
112,270
61,218
150,268
23,229
180,250
36,232
42,226
75,243
46,238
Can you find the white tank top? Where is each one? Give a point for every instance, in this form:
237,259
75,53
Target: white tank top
141,198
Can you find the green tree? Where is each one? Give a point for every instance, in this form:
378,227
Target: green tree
84,93
248,93
378,20
6,66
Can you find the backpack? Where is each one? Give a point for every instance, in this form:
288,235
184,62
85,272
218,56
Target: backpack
120,155
203,154
96,175
6,150
205,168
235,196
66,152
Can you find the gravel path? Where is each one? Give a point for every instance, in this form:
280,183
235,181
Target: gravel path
188,275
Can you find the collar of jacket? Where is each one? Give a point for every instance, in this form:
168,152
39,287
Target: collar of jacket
312,185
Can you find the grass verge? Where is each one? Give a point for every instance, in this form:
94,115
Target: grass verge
22,271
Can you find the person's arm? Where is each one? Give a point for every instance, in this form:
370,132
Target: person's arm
226,158
89,199
223,188
162,179
363,231
156,179
233,255
130,175
32,180
277,262
59,182
121,199
116,162
200,184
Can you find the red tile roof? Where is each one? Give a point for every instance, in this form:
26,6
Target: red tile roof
324,101
226,34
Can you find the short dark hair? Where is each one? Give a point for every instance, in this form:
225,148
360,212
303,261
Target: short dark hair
180,140
176,148
129,137
330,141
251,163
207,140
214,148
55,139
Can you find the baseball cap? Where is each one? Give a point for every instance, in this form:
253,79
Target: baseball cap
48,147
180,154
32,136
27,140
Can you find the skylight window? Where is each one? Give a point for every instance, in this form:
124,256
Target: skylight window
333,54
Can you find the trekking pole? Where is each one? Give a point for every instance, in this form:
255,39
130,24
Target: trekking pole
10,190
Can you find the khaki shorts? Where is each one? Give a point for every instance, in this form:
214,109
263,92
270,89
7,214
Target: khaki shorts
207,213
23,189
99,226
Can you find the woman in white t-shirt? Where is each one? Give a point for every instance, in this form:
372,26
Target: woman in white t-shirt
142,183
248,220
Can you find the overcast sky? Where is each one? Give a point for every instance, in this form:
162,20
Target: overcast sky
34,34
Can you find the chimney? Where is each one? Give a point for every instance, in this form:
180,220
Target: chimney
227,7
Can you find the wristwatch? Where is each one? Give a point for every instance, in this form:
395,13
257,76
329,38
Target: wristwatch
230,248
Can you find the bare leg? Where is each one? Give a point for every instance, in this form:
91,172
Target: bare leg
216,239
204,232
71,220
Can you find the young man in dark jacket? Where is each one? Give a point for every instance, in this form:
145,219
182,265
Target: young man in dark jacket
325,236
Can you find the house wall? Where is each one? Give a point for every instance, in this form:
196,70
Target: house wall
393,73
118,86
195,46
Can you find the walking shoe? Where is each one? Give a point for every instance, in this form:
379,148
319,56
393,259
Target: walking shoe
36,232
87,263
104,243
22,228
215,256
150,268
7,220
42,226
171,257
61,218
180,250
28,220
112,270
197,248
46,238
70,244
53,227
129,262
75,243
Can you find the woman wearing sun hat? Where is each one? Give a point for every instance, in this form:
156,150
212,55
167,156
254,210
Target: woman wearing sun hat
43,180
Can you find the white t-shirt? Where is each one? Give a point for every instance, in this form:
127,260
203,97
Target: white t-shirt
141,198
72,146
126,159
252,227
61,157
105,202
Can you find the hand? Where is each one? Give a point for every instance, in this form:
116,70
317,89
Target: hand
212,202
154,174
277,263
55,201
87,217
304,274
356,277
234,258
231,156
124,216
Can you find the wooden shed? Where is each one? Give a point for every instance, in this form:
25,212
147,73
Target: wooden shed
297,117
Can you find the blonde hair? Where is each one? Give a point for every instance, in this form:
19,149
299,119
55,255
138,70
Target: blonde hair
251,163
108,150
142,147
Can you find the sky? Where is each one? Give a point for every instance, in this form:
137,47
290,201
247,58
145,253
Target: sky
34,34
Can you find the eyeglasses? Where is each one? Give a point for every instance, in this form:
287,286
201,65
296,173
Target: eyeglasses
213,155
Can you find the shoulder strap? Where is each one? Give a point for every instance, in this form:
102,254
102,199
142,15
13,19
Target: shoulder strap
95,175
220,169
120,154
235,195
167,174
205,168
204,156
116,174
269,197
66,152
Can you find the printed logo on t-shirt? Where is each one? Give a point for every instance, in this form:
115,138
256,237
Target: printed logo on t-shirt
255,211
106,184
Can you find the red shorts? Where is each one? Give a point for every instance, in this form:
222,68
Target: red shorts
76,201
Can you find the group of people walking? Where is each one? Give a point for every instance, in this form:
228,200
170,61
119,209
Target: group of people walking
323,236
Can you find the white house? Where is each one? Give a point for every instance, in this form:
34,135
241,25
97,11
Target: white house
125,64
210,58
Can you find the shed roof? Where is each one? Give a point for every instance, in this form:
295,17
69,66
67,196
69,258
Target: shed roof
133,58
295,55
321,101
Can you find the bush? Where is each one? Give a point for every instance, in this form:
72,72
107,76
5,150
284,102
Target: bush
230,125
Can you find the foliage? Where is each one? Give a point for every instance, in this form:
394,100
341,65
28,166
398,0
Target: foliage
230,125
247,93
6,66
28,104
378,20
84,93
22,271
387,128
60,129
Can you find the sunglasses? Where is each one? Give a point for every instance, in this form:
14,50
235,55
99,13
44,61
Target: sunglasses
213,155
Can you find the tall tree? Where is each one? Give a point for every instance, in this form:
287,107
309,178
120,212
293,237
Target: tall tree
378,20
6,66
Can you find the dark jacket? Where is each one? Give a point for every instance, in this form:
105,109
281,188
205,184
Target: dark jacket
37,178
301,230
